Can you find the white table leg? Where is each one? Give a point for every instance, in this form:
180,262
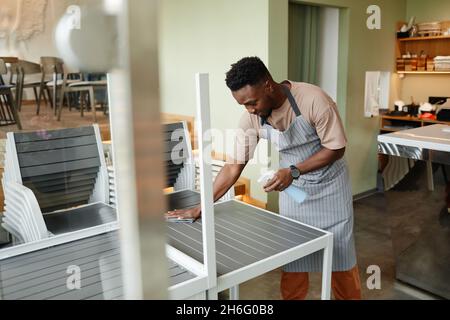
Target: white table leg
327,267
212,294
234,293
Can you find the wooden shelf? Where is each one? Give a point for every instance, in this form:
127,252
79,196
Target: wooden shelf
389,130
424,38
404,122
403,118
431,46
424,72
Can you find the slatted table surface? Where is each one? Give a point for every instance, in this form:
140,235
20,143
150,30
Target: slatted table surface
43,274
244,234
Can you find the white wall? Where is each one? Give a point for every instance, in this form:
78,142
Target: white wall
328,51
41,42
26,15
208,36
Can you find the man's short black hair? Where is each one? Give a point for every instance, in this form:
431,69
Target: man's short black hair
247,71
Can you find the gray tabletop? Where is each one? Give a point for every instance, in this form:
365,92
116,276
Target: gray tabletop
244,234
43,274
429,143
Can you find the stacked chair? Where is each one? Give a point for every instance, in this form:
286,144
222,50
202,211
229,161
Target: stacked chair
112,187
56,183
178,158
181,170
178,161
216,166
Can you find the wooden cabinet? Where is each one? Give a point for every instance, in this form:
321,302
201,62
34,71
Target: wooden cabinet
431,46
390,124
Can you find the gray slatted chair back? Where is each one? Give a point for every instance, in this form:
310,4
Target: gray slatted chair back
60,167
176,151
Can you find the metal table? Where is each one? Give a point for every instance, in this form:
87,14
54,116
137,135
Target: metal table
430,143
44,274
425,264
249,241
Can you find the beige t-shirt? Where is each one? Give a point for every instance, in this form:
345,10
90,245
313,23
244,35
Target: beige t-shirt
317,108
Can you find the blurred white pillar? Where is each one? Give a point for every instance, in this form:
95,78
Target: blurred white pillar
137,149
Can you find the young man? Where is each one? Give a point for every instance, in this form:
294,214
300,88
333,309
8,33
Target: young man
304,124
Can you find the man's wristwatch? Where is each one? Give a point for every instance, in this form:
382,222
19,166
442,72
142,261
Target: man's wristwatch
295,173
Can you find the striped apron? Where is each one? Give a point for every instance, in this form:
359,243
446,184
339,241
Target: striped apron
329,205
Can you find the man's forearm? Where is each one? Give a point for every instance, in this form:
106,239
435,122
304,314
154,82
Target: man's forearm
321,159
226,179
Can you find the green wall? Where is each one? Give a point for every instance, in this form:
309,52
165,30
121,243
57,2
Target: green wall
362,50
428,11
208,36
278,66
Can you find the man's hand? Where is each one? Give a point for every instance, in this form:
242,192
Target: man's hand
193,213
280,181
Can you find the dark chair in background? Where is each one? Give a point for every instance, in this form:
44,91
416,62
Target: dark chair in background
53,68
8,110
27,75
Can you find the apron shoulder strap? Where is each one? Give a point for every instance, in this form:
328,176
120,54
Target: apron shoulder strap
292,101
264,121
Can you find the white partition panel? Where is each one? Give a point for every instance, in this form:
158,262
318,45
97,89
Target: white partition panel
206,190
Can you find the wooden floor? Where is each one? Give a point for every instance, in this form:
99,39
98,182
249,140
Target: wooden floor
47,121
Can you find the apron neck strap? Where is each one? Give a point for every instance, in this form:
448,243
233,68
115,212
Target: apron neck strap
263,121
292,101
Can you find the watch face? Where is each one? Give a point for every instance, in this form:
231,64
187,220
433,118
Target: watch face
295,172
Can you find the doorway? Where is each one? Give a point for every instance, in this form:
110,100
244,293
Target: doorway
314,46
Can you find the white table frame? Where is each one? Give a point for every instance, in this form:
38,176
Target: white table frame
232,279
